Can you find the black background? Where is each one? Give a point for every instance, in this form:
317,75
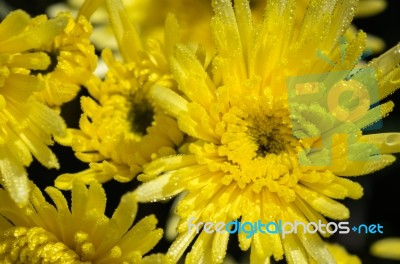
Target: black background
380,203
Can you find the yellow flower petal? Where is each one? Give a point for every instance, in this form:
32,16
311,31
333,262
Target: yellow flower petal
13,24
34,38
341,256
370,7
387,248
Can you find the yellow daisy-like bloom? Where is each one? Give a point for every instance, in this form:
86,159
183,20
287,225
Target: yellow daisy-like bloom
26,125
387,248
122,128
194,17
43,233
245,162
72,61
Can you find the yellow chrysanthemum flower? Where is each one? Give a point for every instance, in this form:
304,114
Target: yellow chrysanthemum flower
26,125
122,128
387,248
42,233
245,162
72,61
194,17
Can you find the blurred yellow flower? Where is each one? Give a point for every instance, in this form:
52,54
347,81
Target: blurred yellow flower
26,125
122,128
73,61
245,162
387,248
42,233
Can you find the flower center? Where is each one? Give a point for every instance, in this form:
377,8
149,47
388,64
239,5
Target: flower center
259,145
270,134
141,116
267,145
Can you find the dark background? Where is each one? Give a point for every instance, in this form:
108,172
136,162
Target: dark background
380,203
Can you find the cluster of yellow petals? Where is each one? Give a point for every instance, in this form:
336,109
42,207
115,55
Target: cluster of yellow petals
216,124
73,60
194,16
121,116
244,162
27,125
43,233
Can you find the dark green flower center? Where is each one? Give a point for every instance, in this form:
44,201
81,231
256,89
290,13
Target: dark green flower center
141,114
269,143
